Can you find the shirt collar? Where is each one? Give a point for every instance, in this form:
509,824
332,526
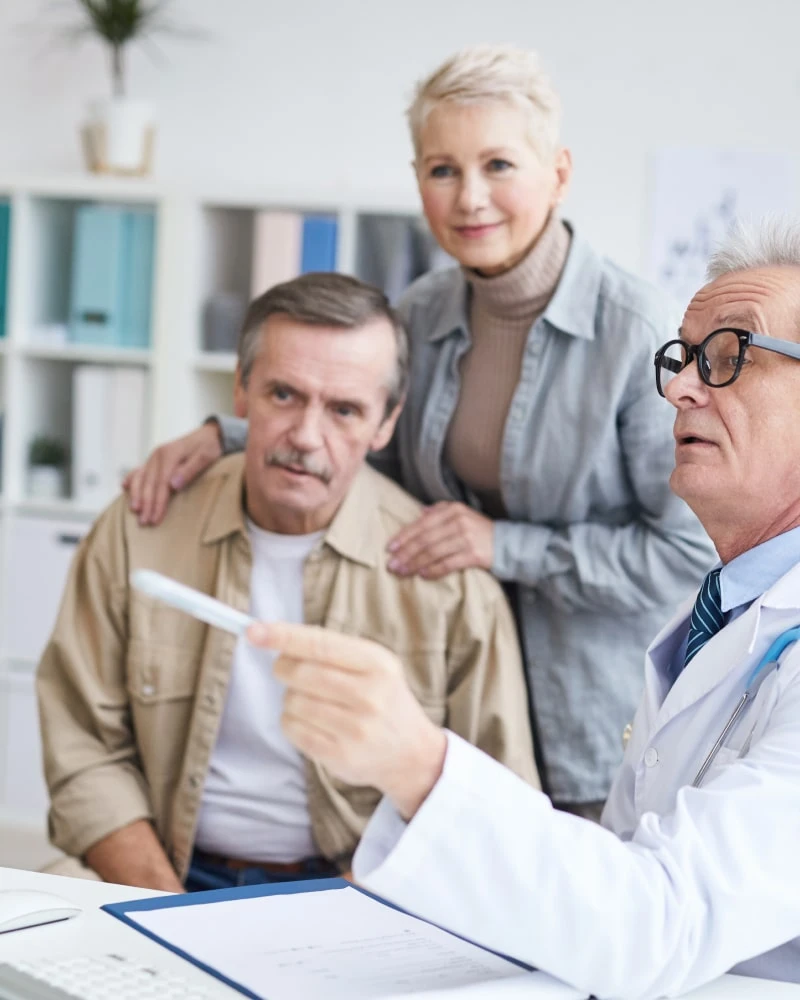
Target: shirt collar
227,509
752,573
354,532
572,308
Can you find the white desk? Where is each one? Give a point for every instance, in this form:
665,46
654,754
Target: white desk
95,932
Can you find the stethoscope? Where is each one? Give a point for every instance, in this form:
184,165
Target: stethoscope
769,662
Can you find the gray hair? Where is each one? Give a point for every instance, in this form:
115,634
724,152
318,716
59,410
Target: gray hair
485,73
771,242
325,299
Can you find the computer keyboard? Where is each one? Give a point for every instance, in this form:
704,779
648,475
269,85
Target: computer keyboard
102,977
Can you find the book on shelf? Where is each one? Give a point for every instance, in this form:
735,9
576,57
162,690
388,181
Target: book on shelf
108,429
287,244
319,244
277,246
112,275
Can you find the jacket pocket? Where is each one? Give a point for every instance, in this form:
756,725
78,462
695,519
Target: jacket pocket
161,673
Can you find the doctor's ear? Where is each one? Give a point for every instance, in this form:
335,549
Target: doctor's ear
239,394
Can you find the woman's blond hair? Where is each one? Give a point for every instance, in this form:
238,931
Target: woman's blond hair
485,73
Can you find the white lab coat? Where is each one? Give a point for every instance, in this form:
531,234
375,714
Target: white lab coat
683,885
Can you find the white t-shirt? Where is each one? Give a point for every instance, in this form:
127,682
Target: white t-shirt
254,802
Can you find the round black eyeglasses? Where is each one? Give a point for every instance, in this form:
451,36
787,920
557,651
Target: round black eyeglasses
720,357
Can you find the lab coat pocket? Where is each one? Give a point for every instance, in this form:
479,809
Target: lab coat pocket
726,756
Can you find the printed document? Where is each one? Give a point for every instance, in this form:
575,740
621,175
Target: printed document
339,944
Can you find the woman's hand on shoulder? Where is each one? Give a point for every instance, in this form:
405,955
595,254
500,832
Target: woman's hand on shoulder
445,538
169,469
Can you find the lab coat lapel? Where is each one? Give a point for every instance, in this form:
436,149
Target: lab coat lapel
659,656
723,654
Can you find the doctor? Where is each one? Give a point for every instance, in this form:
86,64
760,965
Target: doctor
697,869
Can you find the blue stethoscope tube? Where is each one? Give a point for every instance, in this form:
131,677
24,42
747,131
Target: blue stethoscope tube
769,662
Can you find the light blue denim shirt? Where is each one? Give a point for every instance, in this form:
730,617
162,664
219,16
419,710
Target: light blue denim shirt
746,577
600,550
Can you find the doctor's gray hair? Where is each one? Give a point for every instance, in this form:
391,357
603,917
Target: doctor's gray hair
771,242
325,299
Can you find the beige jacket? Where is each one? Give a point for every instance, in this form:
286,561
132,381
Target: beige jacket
131,691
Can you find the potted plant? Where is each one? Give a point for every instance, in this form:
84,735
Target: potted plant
119,135
47,467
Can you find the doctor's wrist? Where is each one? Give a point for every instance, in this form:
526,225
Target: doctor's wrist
421,770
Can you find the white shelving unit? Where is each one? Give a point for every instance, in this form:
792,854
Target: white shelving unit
203,246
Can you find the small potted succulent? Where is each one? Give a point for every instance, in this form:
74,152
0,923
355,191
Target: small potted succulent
47,468
119,135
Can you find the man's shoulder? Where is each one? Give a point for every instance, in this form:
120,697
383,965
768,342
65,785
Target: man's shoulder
397,508
186,516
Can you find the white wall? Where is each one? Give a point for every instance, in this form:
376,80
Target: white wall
310,93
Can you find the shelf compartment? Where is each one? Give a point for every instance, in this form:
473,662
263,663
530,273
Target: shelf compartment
87,353
215,361
91,292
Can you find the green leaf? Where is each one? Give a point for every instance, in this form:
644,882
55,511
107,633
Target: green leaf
120,21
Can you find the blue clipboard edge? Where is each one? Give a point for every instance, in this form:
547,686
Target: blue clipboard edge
121,911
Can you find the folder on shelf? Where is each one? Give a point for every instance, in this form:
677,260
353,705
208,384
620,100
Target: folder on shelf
319,243
108,432
277,246
112,275
287,244
327,939
5,235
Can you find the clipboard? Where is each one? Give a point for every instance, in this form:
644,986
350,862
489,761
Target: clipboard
128,911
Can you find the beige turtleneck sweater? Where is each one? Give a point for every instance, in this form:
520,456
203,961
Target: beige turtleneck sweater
502,310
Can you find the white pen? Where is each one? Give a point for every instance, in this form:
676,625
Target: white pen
193,602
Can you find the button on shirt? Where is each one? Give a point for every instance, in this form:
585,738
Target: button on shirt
747,576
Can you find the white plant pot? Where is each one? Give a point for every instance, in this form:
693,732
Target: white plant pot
119,135
46,482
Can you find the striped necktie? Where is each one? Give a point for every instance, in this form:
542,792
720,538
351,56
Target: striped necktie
707,616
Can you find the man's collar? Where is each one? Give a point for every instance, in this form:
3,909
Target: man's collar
572,308
354,531
757,570
227,514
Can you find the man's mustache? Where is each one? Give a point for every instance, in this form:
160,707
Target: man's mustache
293,459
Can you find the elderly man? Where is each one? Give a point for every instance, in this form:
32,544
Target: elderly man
163,749
697,871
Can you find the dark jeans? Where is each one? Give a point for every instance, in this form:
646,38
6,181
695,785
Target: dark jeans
204,874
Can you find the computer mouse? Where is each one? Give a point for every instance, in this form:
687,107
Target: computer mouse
28,908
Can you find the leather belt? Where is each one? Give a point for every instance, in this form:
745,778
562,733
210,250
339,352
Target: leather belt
271,867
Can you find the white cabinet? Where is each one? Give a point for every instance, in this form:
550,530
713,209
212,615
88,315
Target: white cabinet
40,552
24,792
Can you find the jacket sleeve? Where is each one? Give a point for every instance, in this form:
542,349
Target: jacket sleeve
90,758
487,701
695,892
232,433
657,557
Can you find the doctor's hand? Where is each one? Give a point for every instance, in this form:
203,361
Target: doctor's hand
445,538
170,468
349,708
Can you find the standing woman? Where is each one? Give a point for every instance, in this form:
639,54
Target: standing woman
530,427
